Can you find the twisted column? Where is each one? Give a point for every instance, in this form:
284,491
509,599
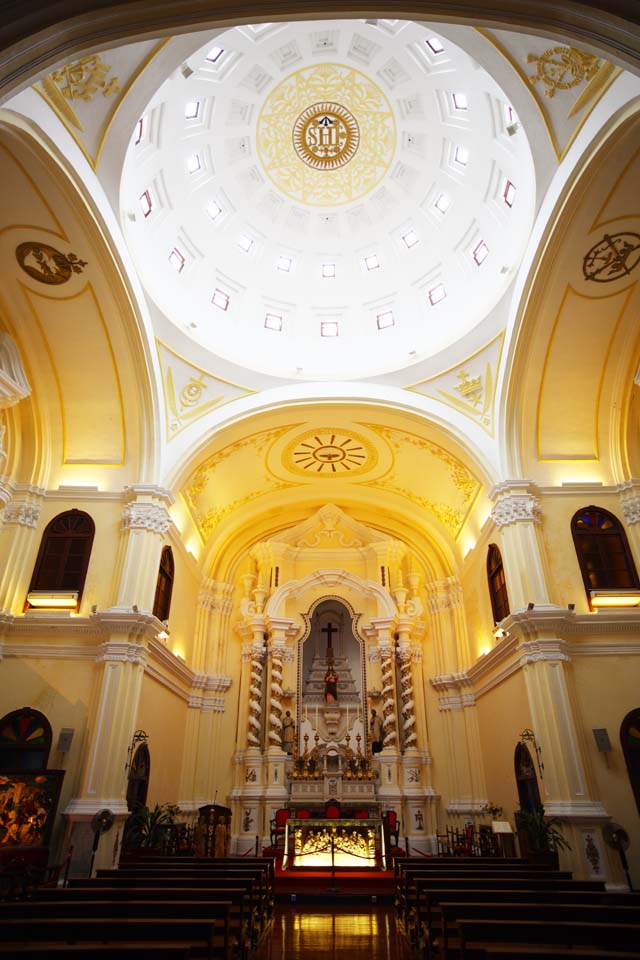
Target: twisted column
275,698
255,694
388,697
408,703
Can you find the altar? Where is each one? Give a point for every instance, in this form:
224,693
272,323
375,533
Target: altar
325,844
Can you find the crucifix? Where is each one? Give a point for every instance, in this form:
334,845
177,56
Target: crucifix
329,630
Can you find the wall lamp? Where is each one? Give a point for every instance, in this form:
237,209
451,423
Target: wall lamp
614,598
528,736
52,599
500,633
530,605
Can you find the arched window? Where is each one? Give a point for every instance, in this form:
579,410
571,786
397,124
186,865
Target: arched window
25,740
603,551
63,557
630,742
497,584
164,585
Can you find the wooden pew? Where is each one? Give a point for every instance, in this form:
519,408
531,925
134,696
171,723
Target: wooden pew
429,918
406,896
246,921
174,950
453,913
201,933
429,887
484,934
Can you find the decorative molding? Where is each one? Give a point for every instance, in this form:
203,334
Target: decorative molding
211,681
466,806
24,512
516,501
576,810
444,594
206,704
450,681
533,651
630,501
14,385
146,516
216,596
456,702
84,808
48,651
122,651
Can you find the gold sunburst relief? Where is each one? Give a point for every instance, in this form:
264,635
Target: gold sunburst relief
329,453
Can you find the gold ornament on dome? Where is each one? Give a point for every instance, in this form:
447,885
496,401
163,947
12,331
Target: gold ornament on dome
326,135
46,264
329,453
561,68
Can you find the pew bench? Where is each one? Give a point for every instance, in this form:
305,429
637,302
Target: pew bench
455,912
476,935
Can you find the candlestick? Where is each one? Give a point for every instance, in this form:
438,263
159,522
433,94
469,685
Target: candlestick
316,716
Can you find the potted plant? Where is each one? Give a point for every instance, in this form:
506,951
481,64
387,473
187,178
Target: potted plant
146,826
542,838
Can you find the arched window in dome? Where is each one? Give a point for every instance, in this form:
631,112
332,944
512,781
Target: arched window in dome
603,551
164,585
630,742
25,740
497,584
63,559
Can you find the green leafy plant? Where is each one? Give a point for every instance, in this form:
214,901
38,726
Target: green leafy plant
146,825
542,831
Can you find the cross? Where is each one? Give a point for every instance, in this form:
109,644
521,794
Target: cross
329,630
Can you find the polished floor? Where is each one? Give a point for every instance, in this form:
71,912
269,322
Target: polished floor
310,932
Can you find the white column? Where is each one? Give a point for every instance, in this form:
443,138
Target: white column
19,541
517,514
145,522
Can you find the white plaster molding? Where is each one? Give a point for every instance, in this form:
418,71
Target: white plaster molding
576,810
135,490
416,652
7,490
619,648
211,681
14,385
151,670
24,512
456,701
206,704
532,651
630,501
444,594
216,596
337,580
515,501
451,681
161,655
549,619
122,651
471,807
146,516
85,808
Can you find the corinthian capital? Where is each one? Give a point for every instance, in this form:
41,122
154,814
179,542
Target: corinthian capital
146,516
515,502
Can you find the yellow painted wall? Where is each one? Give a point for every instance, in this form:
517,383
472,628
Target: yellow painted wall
607,688
503,713
61,690
162,715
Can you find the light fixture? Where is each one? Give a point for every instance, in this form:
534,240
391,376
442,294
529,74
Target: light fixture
528,736
53,599
614,598
501,633
571,607
530,606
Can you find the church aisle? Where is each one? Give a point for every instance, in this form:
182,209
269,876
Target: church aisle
333,932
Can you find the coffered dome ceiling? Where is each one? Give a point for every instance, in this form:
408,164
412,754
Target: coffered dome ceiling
328,200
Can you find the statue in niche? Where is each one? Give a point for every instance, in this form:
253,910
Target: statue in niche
331,685
288,732
377,732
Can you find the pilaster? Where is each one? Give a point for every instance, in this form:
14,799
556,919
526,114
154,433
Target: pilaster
630,506
517,513
19,541
145,523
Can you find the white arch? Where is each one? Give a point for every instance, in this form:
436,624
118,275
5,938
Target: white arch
335,579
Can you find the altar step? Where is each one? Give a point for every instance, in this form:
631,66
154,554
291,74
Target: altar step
347,886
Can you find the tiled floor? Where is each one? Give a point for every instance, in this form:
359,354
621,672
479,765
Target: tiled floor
310,932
